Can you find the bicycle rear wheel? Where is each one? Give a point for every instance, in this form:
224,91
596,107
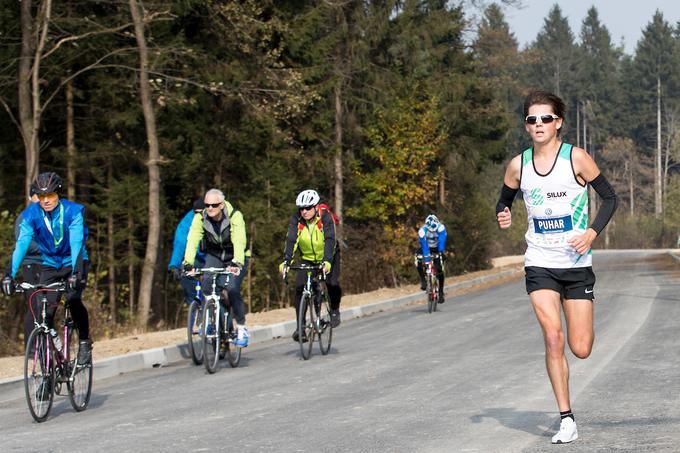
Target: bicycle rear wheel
79,382
211,336
323,324
39,375
194,326
305,329
233,351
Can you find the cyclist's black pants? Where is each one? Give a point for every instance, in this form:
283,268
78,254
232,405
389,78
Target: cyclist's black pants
332,284
233,289
440,273
74,298
30,274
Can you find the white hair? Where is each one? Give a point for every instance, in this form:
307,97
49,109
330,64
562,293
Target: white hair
217,192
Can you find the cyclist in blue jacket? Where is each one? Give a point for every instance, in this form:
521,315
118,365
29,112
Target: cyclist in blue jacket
58,228
432,238
178,248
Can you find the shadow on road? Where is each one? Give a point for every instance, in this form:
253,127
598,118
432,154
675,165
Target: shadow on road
533,422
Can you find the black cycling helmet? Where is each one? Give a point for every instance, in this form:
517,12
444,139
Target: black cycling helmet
199,205
47,183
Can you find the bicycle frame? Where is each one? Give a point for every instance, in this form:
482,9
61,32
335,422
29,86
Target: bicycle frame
62,357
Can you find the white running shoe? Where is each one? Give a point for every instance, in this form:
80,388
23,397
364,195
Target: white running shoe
242,336
568,432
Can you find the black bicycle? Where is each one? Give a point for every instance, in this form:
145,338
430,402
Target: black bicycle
194,325
314,315
219,332
49,361
431,279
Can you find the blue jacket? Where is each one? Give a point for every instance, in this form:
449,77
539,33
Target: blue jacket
179,244
33,253
432,240
60,235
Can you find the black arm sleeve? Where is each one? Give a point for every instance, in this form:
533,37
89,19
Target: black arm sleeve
328,236
291,238
506,198
609,203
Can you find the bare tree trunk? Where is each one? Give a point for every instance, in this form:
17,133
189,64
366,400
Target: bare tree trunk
111,256
131,266
338,155
442,190
70,144
25,104
153,237
658,207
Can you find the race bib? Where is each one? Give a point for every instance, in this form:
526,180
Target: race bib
548,225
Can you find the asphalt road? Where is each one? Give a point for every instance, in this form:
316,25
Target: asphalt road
470,377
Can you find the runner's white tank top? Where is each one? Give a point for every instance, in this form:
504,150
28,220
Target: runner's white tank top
557,209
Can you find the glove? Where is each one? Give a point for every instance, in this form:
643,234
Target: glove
73,282
326,267
176,273
235,264
188,267
8,285
282,267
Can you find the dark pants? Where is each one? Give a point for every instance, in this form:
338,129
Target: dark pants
439,268
30,274
189,287
73,298
233,288
332,284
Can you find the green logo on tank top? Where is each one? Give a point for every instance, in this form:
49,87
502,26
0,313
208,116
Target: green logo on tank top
535,197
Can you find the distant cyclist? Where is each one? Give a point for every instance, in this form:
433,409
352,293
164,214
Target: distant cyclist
220,232
179,247
432,238
311,231
57,226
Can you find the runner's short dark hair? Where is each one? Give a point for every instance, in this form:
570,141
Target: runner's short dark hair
546,98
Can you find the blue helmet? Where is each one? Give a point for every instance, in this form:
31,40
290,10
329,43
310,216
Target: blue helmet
432,222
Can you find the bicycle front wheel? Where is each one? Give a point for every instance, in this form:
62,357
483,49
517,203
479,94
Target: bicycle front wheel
435,292
211,336
323,324
79,382
39,375
194,331
431,301
305,328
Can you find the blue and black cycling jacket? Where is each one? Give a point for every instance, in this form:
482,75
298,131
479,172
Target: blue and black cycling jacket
432,240
59,234
179,244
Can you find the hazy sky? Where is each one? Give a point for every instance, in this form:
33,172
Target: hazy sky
623,18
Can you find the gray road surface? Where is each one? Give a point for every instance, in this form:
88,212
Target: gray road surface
469,378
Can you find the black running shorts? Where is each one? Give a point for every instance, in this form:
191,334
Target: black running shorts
573,283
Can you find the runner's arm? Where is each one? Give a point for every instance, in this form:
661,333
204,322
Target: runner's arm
291,239
194,239
26,233
76,232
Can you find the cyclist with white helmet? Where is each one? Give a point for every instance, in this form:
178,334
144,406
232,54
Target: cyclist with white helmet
432,238
311,231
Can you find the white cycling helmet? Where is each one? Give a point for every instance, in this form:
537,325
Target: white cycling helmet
307,198
432,222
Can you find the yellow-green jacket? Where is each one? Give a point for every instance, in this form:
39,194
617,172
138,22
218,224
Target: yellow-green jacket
314,239
227,242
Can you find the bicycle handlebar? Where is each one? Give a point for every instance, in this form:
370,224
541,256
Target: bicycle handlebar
22,287
303,267
233,270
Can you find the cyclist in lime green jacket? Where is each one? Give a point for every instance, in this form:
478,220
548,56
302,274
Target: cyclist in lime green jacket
311,231
220,232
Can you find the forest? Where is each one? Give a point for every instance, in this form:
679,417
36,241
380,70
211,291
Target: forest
391,109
